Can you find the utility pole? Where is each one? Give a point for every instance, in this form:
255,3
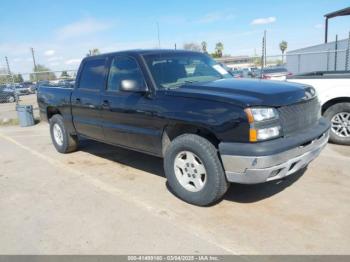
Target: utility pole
33,56
32,50
11,76
9,71
158,35
263,55
7,65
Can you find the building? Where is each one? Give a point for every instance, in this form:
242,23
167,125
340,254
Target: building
331,56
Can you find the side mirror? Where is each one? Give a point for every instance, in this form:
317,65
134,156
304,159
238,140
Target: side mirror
132,86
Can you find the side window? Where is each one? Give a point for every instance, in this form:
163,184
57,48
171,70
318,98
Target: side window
92,75
123,68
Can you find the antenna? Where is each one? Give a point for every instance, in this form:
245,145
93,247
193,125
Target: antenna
158,35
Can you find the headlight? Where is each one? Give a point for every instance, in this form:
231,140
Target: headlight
264,123
259,114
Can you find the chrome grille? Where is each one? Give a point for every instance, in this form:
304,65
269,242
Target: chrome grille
297,117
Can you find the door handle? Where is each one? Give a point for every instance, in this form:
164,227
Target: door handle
105,104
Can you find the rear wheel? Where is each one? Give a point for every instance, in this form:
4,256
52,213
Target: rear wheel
62,140
339,115
194,171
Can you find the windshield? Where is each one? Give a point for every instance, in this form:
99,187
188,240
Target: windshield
173,70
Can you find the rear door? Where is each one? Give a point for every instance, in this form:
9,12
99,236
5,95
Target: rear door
86,98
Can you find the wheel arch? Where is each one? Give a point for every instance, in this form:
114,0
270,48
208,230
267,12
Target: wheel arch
334,101
51,111
174,130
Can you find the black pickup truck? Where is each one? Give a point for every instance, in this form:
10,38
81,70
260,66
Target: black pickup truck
182,106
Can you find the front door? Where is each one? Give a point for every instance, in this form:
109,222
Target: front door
128,116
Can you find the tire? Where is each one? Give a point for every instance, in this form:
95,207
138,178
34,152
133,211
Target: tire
62,140
11,99
339,115
215,184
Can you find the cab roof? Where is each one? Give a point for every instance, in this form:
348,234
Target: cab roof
141,52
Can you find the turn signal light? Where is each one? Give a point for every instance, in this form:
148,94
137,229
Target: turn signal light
253,135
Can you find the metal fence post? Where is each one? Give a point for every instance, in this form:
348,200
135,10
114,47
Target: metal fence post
336,53
347,55
328,52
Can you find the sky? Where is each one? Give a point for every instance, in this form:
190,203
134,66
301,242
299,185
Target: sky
62,32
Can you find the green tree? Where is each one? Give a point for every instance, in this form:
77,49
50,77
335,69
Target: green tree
5,78
204,47
42,73
64,74
93,52
192,47
219,48
283,47
18,78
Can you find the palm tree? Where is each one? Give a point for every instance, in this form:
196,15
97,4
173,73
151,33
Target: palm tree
283,48
204,47
93,51
219,47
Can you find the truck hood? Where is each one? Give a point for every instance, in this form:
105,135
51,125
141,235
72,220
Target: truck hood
247,92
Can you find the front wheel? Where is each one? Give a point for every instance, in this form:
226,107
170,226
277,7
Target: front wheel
194,171
339,115
62,140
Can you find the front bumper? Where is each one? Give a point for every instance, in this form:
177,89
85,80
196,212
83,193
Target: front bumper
275,159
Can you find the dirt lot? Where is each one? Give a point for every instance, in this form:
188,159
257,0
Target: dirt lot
106,200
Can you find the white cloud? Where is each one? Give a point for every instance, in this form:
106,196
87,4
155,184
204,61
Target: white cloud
264,21
50,52
73,61
81,28
318,26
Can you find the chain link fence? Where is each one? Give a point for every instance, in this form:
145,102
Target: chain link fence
332,56
242,62
20,89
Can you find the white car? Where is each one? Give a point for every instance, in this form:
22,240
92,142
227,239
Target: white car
333,90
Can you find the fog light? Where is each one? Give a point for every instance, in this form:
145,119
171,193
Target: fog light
268,133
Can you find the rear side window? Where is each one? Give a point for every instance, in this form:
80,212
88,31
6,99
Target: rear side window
93,74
